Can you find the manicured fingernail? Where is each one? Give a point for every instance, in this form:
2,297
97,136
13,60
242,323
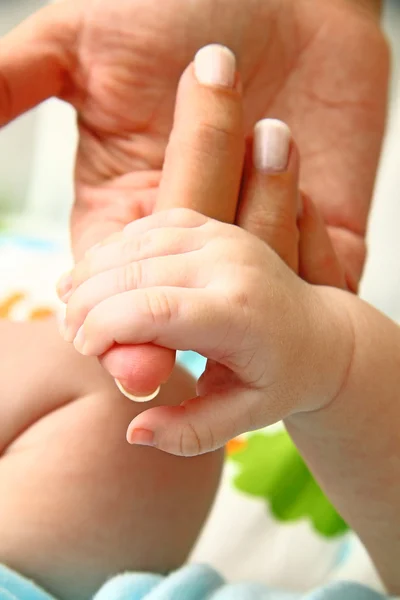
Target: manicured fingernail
271,146
79,340
64,287
215,65
140,437
137,398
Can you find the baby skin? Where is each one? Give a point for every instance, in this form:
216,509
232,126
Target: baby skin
279,348
81,504
77,503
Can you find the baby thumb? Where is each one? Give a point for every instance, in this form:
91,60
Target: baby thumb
197,426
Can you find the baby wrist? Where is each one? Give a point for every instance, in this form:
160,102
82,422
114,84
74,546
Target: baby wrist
330,351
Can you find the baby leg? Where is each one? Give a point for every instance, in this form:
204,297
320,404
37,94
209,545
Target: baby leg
79,503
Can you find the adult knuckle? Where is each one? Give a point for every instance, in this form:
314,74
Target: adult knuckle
211,137
268,226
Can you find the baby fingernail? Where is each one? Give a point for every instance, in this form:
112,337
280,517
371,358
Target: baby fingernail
64,287
215,65
137,398
79,340
271,146
140,437
67,332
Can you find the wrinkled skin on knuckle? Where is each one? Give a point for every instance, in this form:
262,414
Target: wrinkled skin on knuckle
131,276
189,442
267,224
160,307
207,140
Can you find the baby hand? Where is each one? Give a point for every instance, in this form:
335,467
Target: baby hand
203,171
184,281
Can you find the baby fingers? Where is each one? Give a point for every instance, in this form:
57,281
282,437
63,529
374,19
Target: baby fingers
173,317
137,242
180,270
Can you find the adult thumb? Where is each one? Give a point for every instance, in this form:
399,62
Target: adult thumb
36,59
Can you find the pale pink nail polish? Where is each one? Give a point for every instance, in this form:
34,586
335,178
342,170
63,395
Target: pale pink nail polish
140,437
215,65
271,146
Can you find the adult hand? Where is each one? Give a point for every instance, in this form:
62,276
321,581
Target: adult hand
321,67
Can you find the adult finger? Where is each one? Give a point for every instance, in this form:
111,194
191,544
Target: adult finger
269,202
37,59
351,250
204,157
319,263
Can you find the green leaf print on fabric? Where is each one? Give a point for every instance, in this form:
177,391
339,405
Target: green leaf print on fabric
270,467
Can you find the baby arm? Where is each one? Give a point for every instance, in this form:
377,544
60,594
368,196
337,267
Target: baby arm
353,444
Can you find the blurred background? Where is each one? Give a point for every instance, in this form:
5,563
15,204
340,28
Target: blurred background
36,165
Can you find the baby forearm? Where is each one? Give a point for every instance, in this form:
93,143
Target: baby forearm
353,445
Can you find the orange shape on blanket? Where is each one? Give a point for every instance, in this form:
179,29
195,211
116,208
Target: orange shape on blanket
7,305
41,313
235,445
